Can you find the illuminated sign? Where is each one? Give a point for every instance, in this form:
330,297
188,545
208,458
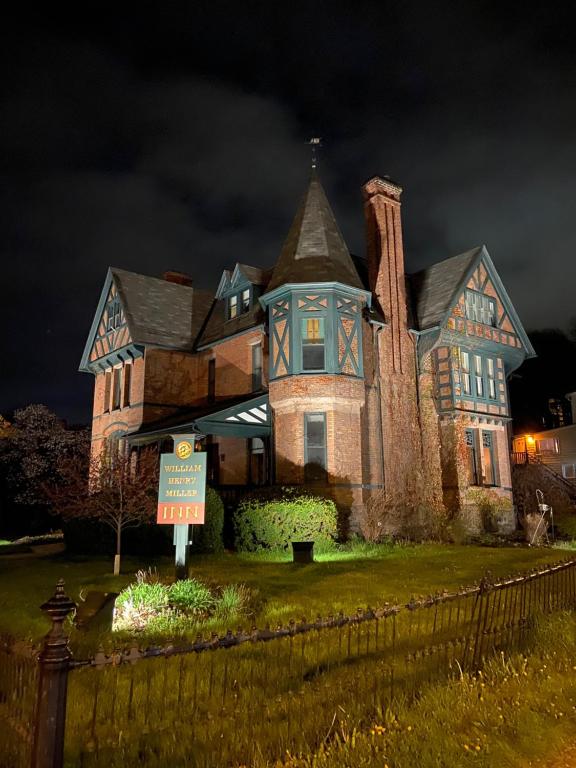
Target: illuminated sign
182,488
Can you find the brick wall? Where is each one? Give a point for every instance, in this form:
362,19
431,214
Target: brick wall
233,365
341,398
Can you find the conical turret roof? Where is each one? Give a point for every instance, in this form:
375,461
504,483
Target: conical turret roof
314,251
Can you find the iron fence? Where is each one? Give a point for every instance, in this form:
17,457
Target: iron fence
229,700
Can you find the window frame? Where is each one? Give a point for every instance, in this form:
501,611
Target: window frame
230,306
322,476
492,450
239,302
126,385
472,455
472,299
306,318
245,304
553,451
573,475
484,373
116,389
257,377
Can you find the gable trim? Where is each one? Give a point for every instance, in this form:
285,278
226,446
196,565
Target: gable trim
85,361
509,309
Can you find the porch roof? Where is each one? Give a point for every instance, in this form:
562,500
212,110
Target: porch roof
248,416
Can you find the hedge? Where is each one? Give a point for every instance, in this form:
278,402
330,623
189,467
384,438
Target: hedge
277,518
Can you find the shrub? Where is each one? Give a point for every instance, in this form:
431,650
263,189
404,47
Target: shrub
493,508
274,522
209,537
191,596
138,604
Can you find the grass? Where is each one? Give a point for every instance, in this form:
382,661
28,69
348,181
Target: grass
252,705
515,711
356,576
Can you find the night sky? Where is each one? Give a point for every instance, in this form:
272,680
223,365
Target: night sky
172,136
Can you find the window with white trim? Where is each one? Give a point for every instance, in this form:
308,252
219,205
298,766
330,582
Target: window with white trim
478,376
232,307
548,445
491,378
480,308
465,367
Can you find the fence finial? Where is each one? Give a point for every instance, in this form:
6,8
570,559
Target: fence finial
48,744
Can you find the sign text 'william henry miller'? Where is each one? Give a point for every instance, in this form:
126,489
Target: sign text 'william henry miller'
182,489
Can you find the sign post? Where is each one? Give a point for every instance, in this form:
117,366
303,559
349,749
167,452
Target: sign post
181,496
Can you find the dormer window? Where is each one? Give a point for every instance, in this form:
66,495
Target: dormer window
238,303
480,308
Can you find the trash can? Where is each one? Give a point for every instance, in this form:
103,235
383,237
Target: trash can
303,551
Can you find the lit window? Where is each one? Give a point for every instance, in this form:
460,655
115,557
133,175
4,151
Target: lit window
245,300
489,469
465,364
232,306
313,344
480,308
491,378
315,447
478,378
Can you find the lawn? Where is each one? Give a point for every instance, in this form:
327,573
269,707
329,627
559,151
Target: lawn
356,577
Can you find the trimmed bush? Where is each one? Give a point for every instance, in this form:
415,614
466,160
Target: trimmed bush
273,523
209,537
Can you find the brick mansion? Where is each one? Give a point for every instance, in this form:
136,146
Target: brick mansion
341,373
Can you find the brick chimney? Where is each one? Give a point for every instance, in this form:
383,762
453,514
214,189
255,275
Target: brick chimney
181,278
386,261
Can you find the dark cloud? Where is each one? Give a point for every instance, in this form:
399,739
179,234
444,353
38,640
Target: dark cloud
174,139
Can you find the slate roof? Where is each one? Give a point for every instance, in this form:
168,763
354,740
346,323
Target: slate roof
219,327
160,312
314,250
432,290
255,275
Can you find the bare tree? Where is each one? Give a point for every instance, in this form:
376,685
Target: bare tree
119,490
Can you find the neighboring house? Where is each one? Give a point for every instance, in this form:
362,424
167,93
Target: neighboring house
556,448
327,370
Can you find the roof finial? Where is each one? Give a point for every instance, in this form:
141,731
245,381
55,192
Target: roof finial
315,143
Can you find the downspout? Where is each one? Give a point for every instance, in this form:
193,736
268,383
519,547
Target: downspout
415,336
376,329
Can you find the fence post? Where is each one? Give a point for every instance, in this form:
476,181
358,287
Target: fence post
53,661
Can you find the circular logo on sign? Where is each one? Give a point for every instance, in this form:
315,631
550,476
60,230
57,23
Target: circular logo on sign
184,449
